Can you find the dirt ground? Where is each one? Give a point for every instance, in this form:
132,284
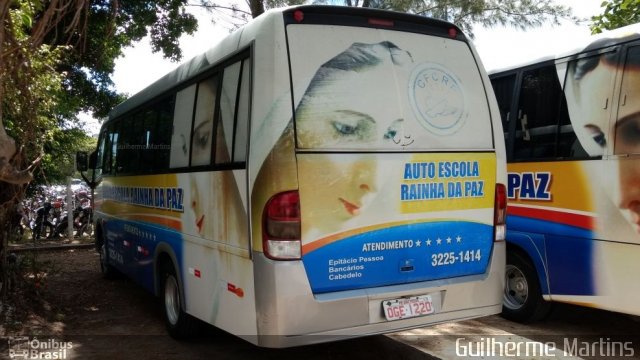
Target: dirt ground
117,319
70,303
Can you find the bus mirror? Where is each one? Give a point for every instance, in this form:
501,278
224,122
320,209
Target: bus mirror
81,161
93,159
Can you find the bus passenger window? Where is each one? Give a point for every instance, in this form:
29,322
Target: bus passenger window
181,134
627,140
588,92
147,140
228,96
129,150
202,133
112,150
160,137
242,118
503,89
100,154
538,115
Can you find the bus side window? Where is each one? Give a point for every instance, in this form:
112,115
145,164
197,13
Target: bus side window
202,133
147,138
116,141
568,145
627,139
159,136
181,132
503,88
111,147
100,155
588,91
539,115
129,150
241,133
228,97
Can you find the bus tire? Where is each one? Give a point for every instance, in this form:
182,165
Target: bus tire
522,300
107,270
180,325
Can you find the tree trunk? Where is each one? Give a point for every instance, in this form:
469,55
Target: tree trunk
9,197
257,7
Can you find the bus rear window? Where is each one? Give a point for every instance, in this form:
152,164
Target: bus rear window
375,89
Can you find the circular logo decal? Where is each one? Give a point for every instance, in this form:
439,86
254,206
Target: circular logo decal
437,99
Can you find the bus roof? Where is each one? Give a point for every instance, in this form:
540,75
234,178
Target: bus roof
186,71
630,32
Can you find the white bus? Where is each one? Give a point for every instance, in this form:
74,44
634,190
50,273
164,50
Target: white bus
322,173
572,131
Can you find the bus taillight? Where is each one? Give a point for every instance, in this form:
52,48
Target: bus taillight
380,22
500,215
281,227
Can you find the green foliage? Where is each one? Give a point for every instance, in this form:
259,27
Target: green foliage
617,13
110,30
31,88
47,77
59,152
521,14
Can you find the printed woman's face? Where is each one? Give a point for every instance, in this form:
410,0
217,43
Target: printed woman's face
201,145
627,141
347,110
340,187
197,206
350,109
592,99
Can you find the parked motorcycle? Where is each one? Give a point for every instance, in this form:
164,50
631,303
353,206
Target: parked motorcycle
41,225
82,222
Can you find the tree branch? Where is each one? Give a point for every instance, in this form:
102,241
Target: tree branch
218,7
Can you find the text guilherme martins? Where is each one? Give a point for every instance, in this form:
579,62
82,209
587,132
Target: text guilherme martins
491,347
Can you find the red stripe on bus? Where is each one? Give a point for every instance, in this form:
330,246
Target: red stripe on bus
581,221
175,224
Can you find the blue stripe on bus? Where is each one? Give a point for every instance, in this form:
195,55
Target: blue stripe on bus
525,224
569,254
400,254
533,245
571,263
142,239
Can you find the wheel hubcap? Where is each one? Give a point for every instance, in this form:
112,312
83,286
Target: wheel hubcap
171,299
516,289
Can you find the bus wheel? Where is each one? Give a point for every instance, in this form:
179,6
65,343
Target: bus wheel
108,271
522,300
180,325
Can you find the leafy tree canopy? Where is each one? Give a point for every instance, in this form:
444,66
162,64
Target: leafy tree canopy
57,57
617,13
521,14
111,26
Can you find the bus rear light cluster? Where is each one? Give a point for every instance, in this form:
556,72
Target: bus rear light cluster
281,239
500,213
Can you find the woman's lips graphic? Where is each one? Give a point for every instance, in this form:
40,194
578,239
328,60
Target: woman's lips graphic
199,223
350,207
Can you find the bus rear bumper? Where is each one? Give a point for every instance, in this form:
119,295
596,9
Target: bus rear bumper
289,314
282,341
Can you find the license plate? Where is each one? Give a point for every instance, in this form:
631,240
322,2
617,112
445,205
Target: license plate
408,307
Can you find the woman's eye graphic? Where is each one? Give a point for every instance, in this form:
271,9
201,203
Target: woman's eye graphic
390,134
344,129
628,131
202,139
597,135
